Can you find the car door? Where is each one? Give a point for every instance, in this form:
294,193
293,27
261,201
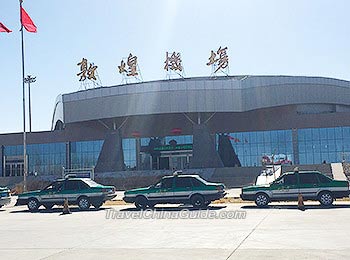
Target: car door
71,190
286,188
52,193
183,188
309,185
163,191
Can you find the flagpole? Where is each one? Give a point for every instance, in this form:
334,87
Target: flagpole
25,170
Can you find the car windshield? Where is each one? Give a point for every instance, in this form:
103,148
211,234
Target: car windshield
48,187
54,186
91,183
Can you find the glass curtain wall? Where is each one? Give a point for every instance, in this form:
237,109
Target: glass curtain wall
252,147
85,154
324,145
129,152
43,159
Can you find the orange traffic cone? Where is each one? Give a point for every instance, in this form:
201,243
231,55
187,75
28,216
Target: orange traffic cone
66,207
301,205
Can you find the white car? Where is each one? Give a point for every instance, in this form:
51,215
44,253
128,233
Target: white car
5,197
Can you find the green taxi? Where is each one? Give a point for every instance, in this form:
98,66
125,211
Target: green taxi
177,189
312,185
83,192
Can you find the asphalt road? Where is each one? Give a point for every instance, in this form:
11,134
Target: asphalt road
120,232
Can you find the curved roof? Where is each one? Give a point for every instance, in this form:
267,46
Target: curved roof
202,94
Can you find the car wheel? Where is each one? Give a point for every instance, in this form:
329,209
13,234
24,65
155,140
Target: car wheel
326,198
33,205
261,200
141,202
198,201
48,206
84,203
97,205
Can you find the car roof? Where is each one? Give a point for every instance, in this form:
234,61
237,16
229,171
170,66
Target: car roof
183,175
75,178
303,172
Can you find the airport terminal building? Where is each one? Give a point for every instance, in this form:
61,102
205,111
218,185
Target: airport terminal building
205,122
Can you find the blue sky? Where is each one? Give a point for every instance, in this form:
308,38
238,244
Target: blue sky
280,37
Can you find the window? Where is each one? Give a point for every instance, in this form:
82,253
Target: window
290,179
252,146
57,186
72,185
85,154
167,183
183,182
129,151
323,179
43,159
196,182
308,178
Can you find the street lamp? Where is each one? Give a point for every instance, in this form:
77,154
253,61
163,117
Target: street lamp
29,79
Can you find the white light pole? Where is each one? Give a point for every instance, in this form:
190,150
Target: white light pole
29,79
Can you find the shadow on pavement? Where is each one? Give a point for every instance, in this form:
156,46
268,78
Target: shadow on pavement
59,210
295,207
176,208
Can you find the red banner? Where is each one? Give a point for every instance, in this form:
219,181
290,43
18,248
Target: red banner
27,22
3,28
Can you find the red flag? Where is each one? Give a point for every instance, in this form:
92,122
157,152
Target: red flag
27,21
3,28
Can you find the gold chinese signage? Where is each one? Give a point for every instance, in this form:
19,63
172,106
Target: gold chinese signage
173,62
173,65
87,70
131,70
218,59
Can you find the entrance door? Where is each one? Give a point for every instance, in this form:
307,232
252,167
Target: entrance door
14,166
178,162
174,160
163,163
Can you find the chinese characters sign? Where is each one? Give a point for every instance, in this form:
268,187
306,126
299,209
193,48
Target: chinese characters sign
173,62
132,69
173,65
87,70
218,59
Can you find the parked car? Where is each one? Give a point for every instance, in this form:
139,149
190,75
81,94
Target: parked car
83,192
5,197
177,189
312,185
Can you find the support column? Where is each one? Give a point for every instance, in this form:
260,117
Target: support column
2,163
68,163
204,152
138,150
111,157
295,143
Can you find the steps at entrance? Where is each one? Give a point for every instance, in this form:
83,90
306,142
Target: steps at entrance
234,177
338,172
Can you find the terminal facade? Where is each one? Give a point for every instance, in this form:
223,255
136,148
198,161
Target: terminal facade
208,122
